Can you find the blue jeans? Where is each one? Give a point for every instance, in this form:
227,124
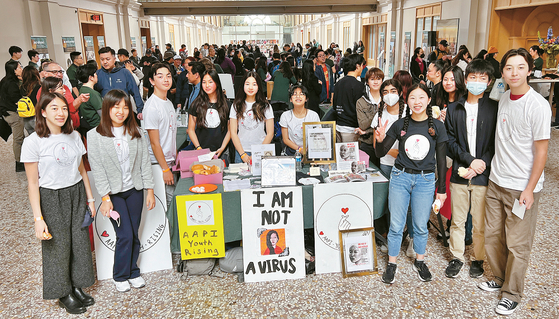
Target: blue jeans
405,188
387,169
238,158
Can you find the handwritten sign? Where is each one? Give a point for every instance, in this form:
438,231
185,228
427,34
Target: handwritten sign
201,226
273,241
338,208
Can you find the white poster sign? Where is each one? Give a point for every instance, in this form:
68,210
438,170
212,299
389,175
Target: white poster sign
155,251
338,207
346,154
273,241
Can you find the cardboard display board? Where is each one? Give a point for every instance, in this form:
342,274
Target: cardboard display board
338,208
155,251
273,241
201,226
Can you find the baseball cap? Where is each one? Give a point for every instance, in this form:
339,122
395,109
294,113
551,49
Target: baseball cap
177,57
148,51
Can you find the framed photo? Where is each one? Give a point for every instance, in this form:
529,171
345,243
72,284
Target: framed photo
358,252
319,140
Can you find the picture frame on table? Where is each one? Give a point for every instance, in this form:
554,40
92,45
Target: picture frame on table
278,171
319,140
358,252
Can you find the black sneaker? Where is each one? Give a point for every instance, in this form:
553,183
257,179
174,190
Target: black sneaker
489,286
506,307
422,270
476,268
389,273
453,268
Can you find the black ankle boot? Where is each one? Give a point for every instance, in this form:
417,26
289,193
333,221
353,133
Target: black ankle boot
86,299
72,304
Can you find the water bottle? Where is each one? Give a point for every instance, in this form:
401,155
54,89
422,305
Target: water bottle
298,160
183,117
179,119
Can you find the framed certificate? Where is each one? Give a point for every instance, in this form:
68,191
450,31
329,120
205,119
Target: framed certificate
319,140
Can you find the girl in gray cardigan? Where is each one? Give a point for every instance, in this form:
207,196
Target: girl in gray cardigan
120,163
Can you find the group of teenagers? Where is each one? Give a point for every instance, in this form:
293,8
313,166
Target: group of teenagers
498,152
503,148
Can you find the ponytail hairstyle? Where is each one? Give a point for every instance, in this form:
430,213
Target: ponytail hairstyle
259,105
423,87
395,83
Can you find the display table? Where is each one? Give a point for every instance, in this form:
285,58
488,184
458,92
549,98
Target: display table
232,208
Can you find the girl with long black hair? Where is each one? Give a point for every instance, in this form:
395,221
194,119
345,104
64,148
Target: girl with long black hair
453,88
313,85
412,180
251,118
208,122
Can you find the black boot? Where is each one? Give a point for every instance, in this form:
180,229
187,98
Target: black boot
20,167
72,304
86,299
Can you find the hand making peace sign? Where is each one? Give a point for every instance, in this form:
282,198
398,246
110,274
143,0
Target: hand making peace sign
380,132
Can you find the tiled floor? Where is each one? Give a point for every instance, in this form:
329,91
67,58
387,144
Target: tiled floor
317,296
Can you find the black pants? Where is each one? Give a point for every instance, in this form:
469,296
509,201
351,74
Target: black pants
67,258
129,205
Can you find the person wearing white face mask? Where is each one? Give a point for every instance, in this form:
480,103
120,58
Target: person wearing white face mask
390,109
470,124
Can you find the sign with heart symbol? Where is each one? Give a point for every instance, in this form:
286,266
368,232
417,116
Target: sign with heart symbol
338,208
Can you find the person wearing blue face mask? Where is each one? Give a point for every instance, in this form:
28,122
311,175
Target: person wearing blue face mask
470,124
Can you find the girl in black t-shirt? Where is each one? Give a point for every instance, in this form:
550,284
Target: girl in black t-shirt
208,120
413,176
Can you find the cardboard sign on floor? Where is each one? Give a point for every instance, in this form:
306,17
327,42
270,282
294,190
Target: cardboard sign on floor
155,251
273,242
338,207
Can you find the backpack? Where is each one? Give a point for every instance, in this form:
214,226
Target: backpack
275,68
25,107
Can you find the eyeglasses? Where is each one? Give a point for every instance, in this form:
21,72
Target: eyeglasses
55,71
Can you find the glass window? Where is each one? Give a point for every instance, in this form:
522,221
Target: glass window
427,24
419,32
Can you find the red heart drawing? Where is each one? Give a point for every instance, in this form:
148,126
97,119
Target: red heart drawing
105,234
190,216
406,149
417,140
344,210
199,206
321,233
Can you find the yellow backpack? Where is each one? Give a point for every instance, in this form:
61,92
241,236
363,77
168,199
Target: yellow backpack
25,107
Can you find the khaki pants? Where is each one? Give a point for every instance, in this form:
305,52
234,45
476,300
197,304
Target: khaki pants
467,198
16,123
508,239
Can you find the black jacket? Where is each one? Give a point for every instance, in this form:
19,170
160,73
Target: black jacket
416,73
458,148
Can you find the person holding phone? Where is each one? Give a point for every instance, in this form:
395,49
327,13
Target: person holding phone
122,181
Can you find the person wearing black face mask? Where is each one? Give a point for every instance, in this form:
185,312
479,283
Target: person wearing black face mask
417,66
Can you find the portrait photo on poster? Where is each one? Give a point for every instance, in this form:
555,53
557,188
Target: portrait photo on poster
273,242
358,252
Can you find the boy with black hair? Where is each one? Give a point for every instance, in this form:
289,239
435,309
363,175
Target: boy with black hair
77,60
33,58
274,65
470,124
15,53
195,71
90,111
161,123
346,93
516,180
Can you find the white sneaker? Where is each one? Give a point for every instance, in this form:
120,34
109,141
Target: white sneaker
410,252
122,286
137,282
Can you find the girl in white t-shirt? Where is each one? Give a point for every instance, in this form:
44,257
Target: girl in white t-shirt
120,163
291,121
59,193
251,118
